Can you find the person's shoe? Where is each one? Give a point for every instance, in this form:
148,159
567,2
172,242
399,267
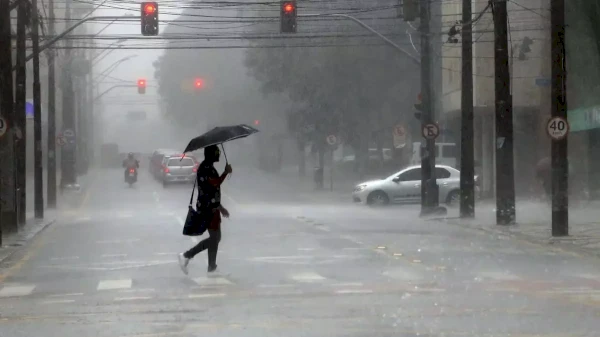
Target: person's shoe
212,269
183,263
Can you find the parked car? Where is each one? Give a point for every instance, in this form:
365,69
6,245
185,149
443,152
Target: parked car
178,169
405,187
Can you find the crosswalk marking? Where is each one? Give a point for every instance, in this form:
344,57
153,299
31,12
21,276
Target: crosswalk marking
308,277
135,298
17,290
212,281
354,291
66,295
502,276
207,295
114,284
58,301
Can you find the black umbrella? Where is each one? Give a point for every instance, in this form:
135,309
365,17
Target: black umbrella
220,135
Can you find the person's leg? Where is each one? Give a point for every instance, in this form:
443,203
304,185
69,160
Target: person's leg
204,244
215,236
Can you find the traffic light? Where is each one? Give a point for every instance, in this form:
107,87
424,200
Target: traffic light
141,84
288,16
198,83
149,18
256,122
410,10
419,107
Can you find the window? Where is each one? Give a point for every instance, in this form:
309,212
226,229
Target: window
414,174
181,162
441,173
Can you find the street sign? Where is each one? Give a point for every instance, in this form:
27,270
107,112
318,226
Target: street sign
331,140
68,133
3,126
399,136
557,128
431,131
60,140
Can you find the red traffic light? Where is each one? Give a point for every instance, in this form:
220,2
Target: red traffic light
141,83
288,7
149,9
198,83
256,122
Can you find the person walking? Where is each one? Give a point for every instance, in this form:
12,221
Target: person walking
208,205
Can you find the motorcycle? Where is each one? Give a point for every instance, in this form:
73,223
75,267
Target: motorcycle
131,177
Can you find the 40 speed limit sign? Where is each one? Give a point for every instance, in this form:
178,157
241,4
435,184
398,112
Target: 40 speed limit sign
557,128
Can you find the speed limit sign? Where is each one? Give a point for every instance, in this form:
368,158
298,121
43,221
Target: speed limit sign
557,128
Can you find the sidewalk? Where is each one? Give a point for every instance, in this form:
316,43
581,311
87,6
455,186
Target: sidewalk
534,224
11,242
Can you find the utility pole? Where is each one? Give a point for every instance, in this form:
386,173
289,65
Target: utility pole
560,161
51,170
429,187
505,177
37,114
20,112
7,164
68,153
467,171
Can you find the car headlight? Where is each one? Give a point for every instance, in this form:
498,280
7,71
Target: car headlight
360,188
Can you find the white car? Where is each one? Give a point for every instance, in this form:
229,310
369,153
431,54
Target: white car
405,187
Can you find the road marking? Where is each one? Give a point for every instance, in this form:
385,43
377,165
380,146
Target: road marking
207,295
17,290
307,249
353,291
165,253
275,285
114,284
124,215
83,219
133,298
58,301
141,290
113,255
207,281
323,228
66,295
307,277
64,258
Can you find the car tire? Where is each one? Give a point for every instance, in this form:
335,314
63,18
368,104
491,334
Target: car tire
378,198
453,198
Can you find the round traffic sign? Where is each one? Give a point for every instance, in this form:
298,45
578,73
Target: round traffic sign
3,126
331,139
557,128
431,131
61,141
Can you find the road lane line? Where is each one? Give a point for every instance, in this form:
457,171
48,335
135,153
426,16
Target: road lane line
114,284
64,258
66,295
133,298
207,295
307,277
58,301
353,291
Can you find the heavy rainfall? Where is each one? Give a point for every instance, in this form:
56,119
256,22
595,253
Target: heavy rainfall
358,168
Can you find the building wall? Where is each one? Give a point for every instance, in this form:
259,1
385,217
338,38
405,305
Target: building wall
527,19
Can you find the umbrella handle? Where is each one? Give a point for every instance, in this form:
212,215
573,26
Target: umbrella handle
226,161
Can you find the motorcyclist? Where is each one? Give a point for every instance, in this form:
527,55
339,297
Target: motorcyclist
130,163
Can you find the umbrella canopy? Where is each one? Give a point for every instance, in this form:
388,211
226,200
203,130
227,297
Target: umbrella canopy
219,135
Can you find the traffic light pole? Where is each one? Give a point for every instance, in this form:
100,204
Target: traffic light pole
37,115
467,172
560,161
77,24
505,176
429,187
111,88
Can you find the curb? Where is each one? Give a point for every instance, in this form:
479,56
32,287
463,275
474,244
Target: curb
549,242
43,227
